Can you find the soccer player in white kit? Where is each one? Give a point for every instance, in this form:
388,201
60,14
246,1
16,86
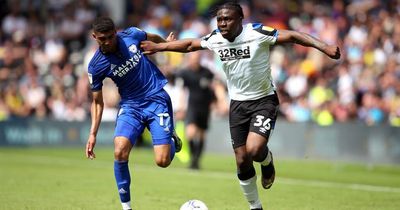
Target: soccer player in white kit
244,51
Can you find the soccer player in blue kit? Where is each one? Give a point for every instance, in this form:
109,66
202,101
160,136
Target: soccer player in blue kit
144,102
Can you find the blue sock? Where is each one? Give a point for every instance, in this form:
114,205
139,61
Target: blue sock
172,152
123,178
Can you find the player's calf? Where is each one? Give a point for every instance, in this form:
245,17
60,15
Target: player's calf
267,171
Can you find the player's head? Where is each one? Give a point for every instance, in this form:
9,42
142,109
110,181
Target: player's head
104,33
229,19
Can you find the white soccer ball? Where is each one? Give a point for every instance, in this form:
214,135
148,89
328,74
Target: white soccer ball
194,205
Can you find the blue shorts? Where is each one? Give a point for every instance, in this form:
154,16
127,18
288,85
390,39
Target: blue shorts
154,112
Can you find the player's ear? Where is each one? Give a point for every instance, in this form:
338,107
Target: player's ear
94,35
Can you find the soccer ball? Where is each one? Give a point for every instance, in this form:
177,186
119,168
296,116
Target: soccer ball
194,205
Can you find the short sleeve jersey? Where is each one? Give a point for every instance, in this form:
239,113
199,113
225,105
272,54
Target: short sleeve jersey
245,61
198,83
133,73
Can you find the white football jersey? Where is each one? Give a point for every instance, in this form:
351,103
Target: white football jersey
245,61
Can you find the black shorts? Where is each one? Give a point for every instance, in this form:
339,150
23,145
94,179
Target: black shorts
257,116
198,116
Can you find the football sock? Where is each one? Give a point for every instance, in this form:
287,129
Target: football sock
267,159
248,183
123,179
172,151
200,146
196,150
193,152
126,206
192,147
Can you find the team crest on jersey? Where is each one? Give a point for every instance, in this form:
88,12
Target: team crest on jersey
133,49
129,64
228,54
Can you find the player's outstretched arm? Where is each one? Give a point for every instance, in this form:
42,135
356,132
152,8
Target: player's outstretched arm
183,45
158,39
96,112
155,38
288,36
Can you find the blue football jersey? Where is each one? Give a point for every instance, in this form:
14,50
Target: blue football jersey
134,74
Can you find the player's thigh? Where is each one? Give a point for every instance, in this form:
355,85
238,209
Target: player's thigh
160,123
162,154
239,123
256,146
264,116
129,125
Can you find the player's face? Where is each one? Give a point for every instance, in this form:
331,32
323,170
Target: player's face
229,23
106,40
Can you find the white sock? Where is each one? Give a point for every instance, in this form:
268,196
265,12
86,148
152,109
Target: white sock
249,188
126,206
267,160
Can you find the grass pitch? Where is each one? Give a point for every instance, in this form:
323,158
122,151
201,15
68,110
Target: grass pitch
62,178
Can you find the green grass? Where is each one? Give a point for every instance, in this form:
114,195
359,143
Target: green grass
62,178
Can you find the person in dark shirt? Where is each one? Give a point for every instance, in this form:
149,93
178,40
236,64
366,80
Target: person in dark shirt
198,80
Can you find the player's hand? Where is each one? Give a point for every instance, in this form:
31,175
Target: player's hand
171,37
148,47
332,51
90,147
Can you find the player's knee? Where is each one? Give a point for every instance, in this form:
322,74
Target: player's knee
256,153
122,148
121,154
163,162
242,158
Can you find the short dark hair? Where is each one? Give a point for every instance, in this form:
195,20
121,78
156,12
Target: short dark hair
233,5
103,24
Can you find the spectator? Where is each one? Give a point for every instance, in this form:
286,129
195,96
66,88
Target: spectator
54,41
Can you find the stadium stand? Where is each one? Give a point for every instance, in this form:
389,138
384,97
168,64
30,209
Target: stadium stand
45,46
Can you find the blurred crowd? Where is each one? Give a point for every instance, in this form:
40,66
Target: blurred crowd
45,46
